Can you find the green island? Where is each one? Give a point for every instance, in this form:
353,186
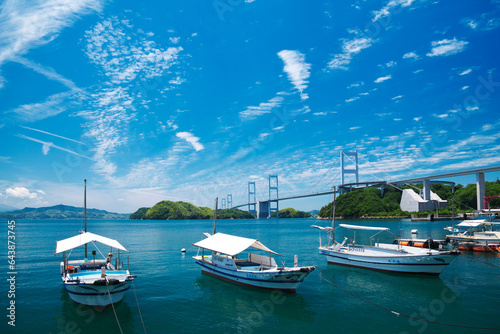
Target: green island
61,212
366,203
169,210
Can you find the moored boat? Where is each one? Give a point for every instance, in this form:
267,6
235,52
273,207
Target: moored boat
254,270
93,282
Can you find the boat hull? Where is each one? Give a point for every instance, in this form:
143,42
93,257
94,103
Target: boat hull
98,297
425,264
284,280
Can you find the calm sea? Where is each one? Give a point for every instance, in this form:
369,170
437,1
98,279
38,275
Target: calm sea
174,297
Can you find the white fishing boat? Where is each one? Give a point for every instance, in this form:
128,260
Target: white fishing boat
475,231
254,270
383,256
387,257
93,282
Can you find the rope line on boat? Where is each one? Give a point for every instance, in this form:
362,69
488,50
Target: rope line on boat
137,301
335,284
113,306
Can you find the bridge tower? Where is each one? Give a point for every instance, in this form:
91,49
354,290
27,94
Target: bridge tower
223,203
251,198
273,195
349,170
229,201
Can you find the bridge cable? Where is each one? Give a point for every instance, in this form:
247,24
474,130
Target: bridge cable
331,281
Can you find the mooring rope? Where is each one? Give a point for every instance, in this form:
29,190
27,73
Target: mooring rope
137,301
113,306
484,262
335,284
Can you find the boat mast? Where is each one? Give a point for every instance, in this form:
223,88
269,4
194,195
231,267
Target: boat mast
215,214
333,217
85,210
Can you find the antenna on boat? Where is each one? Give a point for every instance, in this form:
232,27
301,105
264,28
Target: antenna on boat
333,216
85,210
215,214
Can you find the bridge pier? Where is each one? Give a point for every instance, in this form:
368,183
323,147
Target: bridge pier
427,190
480,190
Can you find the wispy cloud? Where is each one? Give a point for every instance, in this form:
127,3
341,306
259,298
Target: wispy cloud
26,26
51,134
111,46
190,138
48,72
47,145
411,55
382,79
53,105
297,69
263,108
350,48
464,72
391,5
447,47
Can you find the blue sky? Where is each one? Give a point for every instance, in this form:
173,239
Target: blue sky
191,100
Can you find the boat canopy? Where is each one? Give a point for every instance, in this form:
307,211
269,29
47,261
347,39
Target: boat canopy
84,238
230,244
476,223
369,228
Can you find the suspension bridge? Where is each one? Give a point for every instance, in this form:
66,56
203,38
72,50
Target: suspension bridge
265,207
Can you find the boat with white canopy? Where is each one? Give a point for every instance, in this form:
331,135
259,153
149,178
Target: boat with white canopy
382,256
254,270
93,282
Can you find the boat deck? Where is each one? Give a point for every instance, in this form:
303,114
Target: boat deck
386,250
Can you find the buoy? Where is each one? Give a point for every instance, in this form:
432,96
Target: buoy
183,250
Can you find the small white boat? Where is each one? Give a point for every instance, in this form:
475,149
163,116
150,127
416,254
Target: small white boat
93,282
388,257
255,270
475,231
382,256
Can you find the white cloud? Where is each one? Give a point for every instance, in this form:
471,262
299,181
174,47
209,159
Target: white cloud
486,22
411,55
382,79
465,87
48,72
47,145
349,48
464,72
357,84
26,26
447,47
416,119
397,97
392,4
264,108
323,113
123,54
23,193
190,138
354,128
417,71
297,69
352,99
487,127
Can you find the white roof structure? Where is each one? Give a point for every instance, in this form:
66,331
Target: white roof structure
230,244
369,228
85,238
475,223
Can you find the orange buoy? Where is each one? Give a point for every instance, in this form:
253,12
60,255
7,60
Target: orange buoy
404,243
418,244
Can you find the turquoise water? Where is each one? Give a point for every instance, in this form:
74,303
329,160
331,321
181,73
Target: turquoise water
174,296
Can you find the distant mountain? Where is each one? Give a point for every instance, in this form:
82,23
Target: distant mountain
182,210
61,212
291,213
6,208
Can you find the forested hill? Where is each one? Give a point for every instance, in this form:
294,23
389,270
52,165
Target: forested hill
182,210
61,212
369,202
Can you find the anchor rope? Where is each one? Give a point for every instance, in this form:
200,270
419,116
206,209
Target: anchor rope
484,262
331,281
137,301
113,306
